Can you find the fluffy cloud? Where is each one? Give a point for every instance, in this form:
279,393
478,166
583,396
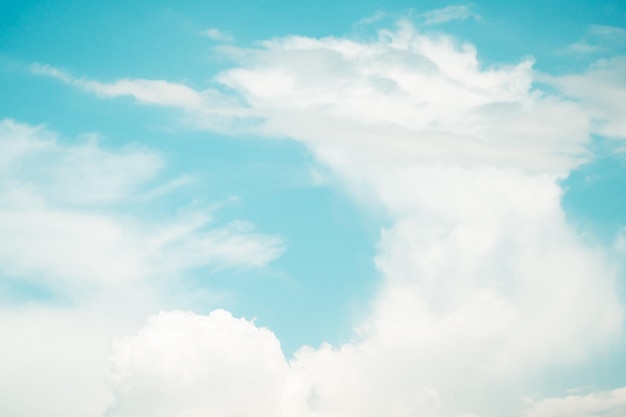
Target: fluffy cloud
409,98
182,364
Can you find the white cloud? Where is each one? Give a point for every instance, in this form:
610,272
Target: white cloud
76,175
218,35
55,226
599,38
484,280
157,92
427,96
446,14
182,364
54,358
606,403
609,32
600,90
209,108
66,228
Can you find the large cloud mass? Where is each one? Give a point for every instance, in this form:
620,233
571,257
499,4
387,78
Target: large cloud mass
484,281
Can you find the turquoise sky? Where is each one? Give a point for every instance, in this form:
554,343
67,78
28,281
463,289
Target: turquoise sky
165,157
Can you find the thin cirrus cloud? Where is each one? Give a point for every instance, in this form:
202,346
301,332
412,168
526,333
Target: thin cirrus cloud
157,92
447,14
605,403
209,107
62,216
218,35
600,90
484,281
599,38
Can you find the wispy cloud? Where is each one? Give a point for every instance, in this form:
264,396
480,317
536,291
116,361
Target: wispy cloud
447,14
217,35
157,92
600,90
605,403
209,108
63,219
599,38
608,32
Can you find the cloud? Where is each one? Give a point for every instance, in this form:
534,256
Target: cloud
80,175
157,92
57,355
70,229
606,403
218,35
183,364
426,95
485,284
201,109
600,90
55,226
599,38
447,14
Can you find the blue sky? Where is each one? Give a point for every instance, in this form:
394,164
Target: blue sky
313,209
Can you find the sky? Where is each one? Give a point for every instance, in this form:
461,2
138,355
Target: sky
312,209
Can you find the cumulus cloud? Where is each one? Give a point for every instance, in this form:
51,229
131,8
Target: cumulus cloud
183,364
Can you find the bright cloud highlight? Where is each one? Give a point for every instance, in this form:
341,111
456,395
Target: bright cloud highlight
182,364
